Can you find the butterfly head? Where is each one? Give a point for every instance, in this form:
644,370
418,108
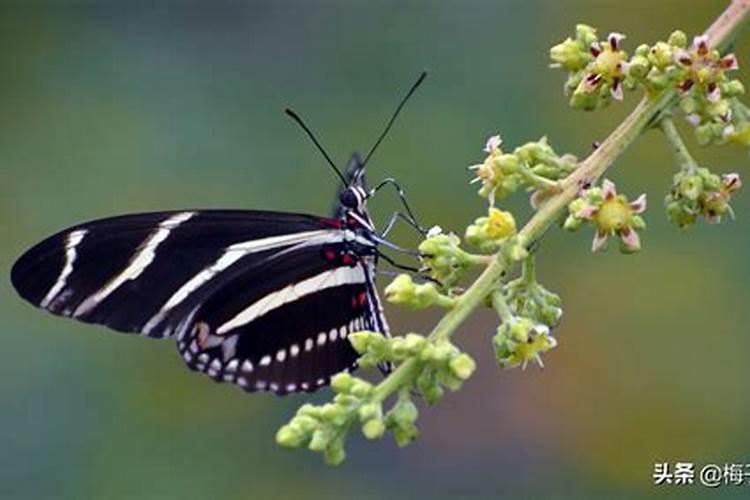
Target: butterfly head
354,198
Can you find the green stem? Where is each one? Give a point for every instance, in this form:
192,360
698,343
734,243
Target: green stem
445,301
501,306
476,260
528,273
684,158
536,180
720,35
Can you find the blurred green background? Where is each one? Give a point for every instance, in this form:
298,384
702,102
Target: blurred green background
118,107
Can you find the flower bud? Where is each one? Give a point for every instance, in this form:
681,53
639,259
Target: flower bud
373,429
289,437
585,34
370,411
733,88
462,366
678,39
414,342
335,454
639,67
342,382
361,340
569,55
662,55
401,290
691,186
321,438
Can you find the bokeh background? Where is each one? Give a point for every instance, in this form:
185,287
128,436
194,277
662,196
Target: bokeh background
118,107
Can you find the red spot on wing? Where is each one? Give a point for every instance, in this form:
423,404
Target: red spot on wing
335,223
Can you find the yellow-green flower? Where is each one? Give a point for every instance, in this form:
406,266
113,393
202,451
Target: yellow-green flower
500,224
610,66
611,214
489,232
520,340
704,67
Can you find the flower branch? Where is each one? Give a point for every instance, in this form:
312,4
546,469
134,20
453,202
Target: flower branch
673,76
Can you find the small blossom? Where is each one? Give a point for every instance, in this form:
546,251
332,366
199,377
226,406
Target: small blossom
520,340
534,166
716,204
489,232
704,68
610,214
607,70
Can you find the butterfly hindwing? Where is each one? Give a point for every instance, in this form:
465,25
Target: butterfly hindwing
289,337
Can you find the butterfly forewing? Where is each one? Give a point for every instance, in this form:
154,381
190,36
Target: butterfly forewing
120,271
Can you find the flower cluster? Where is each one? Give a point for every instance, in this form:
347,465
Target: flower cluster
610,214
324,428
443,258
440,364
706,92
692,79
599,70
437,365
533,166
700,193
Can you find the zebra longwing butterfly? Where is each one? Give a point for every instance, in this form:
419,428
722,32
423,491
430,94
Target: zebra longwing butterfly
264,300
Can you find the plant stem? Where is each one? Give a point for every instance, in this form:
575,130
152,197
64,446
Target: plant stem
501,306
720,35
528,273
684,158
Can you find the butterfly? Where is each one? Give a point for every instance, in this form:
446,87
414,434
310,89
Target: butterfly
264,300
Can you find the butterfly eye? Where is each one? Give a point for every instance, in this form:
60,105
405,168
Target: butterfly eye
349,198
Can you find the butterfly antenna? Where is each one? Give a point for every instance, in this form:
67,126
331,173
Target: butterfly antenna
395,115
315,141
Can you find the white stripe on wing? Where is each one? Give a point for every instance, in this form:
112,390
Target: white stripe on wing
295,291
71,242
143,257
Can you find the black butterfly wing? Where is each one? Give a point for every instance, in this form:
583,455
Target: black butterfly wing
184,273
284,336
121,271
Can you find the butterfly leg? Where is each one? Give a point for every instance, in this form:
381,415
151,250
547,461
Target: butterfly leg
409,217
416,272
395,217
